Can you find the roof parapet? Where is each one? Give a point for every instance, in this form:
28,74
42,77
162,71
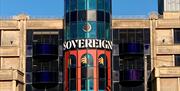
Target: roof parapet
21,17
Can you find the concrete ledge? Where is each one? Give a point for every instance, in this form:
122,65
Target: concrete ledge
11,74
167,72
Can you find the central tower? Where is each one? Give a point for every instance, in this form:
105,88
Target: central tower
87,45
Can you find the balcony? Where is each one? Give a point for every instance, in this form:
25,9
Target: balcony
167,72
11,74
8,24
9,51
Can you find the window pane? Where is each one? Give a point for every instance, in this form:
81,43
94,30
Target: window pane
28,77
28,64
100,4
102,72
73,5
107,17
91,4
67,32
72,73
73,31
116,63
177,35
81,33
90,73
102,84
177,60
74,16
91,15
116,86
108,5
108,31
67,18
83,84
92,32
29,50
82,4
72,85
147,36
28,87
90,85
29,37
67,5
82,15
84,72
100,16
100,31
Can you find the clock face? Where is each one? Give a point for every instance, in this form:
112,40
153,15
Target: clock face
87,27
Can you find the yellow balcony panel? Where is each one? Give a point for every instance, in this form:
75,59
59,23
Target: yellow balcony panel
8,24
174,49
11,74
9,51
45,24
167,72
169,23
127,23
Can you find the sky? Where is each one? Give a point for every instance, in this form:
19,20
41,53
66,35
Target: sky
55,8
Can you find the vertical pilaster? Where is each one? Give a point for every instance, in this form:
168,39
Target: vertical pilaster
22,20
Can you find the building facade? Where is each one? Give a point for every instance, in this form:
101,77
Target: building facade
145,54
87,45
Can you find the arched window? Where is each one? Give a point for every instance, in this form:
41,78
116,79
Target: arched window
102,61
72,72
87,72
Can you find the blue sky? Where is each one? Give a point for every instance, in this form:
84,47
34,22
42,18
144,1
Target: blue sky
55,8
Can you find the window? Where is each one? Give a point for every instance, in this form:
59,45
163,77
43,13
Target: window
82,15
82,33
73,5
92,32
72,85
100,16
82,5
177,60
91,4
91,15
87,72
108,17
28,37
108,31
116,86
73,31
28,64
74,16
72,72
177,36
116,63
108,5
100,31
102,71
29,51
100,4
67,5
67,18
